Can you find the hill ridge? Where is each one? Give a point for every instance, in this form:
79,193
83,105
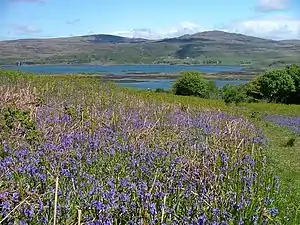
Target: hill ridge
202,47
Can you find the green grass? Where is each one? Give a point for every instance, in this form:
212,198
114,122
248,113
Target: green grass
287,158
285,161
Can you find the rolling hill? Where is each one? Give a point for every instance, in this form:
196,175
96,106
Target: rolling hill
206,47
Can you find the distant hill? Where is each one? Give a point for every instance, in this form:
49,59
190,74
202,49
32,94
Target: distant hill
293,42
106,38
221,36
208,47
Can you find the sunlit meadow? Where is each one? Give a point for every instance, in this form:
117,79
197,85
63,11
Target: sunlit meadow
79,151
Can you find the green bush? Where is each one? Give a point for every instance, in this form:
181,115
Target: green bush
233,94
214,90
18,124
294,72
192,83
161,90
253,89
277,85
273,85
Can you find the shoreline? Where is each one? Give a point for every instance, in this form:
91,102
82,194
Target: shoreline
245,68
122,64
244,74
220,76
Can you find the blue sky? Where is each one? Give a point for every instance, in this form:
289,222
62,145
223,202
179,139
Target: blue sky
277,19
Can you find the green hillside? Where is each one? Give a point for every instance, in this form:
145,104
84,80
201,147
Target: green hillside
202,48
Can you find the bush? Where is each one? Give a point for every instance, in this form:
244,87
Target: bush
274,86
253,89
233,94
214,90
294,72
279,85
161,90
192,83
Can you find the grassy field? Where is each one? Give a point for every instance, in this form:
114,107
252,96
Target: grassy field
287,159
76,150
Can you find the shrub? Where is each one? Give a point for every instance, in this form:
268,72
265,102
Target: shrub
279,85
276,85
294,72
161,90
253,89
233,94
214,91
192,83
18,125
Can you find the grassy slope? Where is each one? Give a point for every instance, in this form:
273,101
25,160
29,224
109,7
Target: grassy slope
285,160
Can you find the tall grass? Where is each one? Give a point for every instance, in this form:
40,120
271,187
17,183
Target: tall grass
86,152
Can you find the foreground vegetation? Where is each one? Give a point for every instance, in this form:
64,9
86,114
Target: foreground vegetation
76,150
277,86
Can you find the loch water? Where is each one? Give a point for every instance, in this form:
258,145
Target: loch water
130,70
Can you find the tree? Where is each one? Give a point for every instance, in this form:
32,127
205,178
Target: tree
276,85
192,83
253,89
233,94
294,72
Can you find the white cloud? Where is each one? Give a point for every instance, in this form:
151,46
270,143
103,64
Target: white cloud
273,28
139,33
182,29
272,5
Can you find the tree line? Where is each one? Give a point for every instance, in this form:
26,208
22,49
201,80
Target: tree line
274,86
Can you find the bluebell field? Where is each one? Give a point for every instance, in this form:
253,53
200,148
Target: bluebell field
88,154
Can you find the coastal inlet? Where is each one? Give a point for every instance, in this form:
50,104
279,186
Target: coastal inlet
144,76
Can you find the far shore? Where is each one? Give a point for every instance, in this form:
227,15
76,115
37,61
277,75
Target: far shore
245,67
220,76
245,74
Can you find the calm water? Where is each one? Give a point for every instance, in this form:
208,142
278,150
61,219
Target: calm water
167,83
123,69
127,69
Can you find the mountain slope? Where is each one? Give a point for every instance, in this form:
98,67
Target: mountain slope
107,38
205,47
221,36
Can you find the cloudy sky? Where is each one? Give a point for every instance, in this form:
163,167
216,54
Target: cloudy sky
153,19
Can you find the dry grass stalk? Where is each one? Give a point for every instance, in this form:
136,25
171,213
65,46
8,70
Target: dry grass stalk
22,98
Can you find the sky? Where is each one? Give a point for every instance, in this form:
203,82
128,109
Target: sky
152,19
